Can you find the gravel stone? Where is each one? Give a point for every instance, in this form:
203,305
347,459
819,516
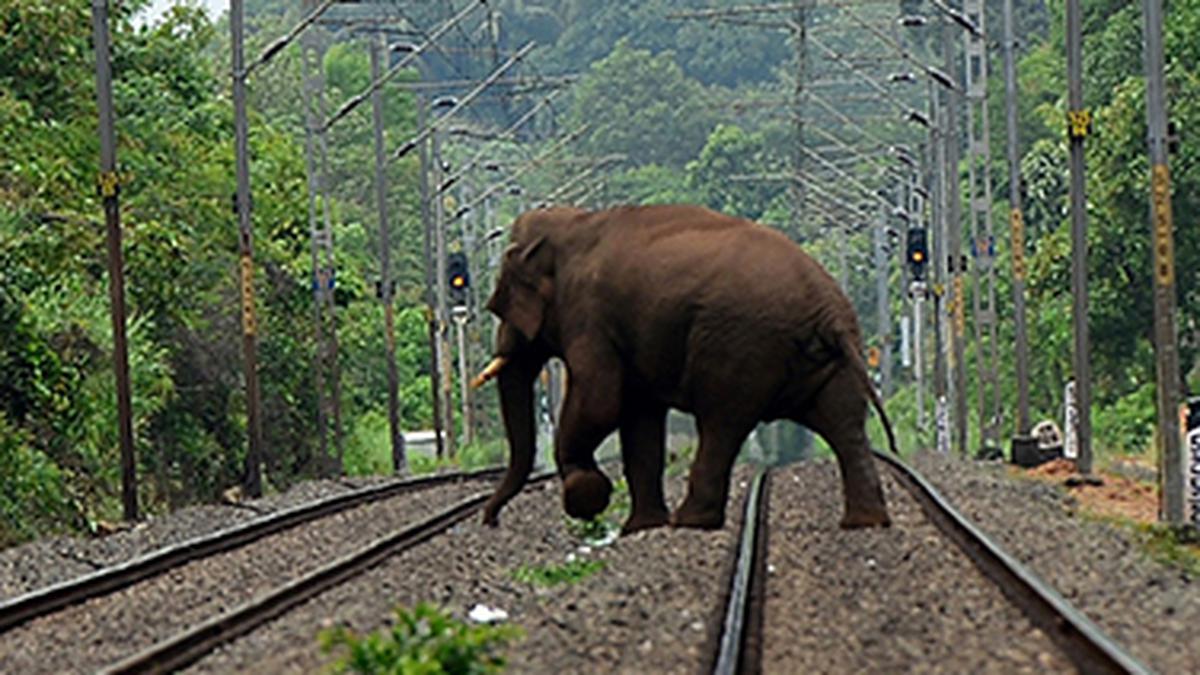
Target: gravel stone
43,563
860,601
652,609
881,600
1152,609
116,625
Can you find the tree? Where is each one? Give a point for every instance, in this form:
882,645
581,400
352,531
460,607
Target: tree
642,106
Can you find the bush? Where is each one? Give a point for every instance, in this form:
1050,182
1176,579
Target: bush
32,496
368,446
1127,425
424,640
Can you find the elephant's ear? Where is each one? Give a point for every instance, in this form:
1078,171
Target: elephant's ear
524,288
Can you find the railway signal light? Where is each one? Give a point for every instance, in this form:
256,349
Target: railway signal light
458,277
917,252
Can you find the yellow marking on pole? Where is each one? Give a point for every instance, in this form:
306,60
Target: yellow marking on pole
1079,123
249,323
873,357
1017,220
960,314
1164,230
109,184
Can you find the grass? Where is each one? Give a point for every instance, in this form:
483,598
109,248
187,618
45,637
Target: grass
571,572
478,455
1169,546
422,640
602,528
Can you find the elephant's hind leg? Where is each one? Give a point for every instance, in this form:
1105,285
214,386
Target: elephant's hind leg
839,415
708,481
643,425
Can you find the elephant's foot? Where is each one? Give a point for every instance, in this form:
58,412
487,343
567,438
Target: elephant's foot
711,518
645,521
864,517
586,493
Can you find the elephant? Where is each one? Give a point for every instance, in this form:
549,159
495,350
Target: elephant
659,307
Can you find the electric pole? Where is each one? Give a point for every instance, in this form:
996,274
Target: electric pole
443,306
252,479
1171,462
1079,125
937,207
956,300
325,361
329,275
883,305
109,187
799,37
918,290
431,302
979,206
386,290
1017,228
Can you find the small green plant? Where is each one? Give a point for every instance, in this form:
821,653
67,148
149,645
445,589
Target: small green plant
680,460
483,454
552,575
596,529
420,464
1170,546
602,527
423,641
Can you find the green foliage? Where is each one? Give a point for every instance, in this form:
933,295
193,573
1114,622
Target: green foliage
596,529
728,172
680,99
1177,548
570,572
604,525
1126,425
32,491
423,641
483,454
680,462
369,446
174,129
641,106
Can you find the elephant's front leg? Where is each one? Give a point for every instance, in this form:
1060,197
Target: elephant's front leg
590,412
643,425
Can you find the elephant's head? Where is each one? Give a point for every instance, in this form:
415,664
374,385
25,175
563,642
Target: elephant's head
526,338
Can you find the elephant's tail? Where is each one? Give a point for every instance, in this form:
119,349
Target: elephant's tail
852,352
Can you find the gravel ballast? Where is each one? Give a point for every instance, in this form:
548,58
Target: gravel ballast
858,601
90,635
1152,609
649,610
47,562
881,600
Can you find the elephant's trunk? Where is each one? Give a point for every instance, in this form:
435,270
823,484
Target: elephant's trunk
516,380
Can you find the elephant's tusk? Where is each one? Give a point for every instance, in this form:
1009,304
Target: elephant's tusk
492,370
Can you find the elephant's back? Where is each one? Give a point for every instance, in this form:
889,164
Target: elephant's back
726,302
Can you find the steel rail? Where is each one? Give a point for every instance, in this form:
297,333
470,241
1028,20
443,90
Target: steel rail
1081,640
192,644
41,602
739,648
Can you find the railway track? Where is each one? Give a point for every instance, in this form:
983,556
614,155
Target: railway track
743,636
131,606
1081,642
